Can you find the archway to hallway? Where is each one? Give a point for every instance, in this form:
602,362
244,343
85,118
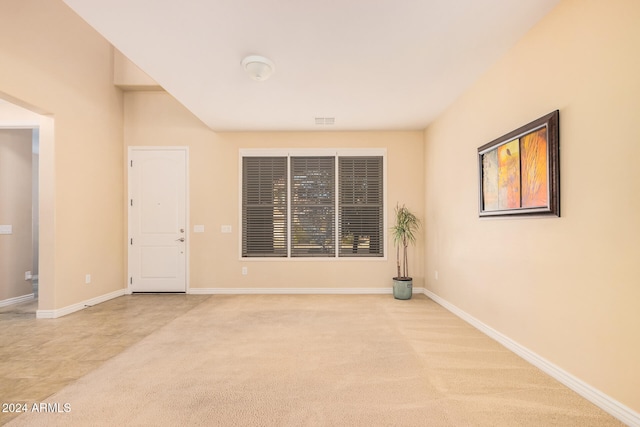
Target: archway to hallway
21,136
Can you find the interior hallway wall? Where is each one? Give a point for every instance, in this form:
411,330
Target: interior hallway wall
566,288
35,203
16,256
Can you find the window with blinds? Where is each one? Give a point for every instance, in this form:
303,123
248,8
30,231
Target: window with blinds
312,206
360,206
264,207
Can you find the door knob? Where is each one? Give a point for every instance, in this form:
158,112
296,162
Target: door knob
180,239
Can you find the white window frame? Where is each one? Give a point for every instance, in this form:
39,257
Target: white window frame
302,152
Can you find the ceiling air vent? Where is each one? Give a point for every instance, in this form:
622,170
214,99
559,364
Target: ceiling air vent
325,120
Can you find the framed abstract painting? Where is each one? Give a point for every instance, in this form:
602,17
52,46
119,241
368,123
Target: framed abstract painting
520,171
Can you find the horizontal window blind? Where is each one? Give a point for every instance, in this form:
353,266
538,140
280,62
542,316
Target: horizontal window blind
264,207
360,206
312,206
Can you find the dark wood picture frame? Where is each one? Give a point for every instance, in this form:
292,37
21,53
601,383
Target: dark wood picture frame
519,173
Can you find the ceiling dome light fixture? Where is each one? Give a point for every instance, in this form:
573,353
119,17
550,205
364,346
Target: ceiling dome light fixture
258,67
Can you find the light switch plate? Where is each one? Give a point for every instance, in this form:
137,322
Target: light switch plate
225,229
6,229
198,228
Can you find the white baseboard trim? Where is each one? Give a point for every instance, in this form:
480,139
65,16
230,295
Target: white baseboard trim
288,291
17,300
595,396
54,314
296,291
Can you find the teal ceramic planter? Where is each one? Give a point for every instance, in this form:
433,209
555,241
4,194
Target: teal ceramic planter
402,288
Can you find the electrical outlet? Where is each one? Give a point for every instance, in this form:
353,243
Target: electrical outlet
436,275
245,271
225,229
87,279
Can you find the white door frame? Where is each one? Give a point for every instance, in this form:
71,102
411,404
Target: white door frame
131,149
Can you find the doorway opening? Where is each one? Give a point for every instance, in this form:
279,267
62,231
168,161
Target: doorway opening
19,207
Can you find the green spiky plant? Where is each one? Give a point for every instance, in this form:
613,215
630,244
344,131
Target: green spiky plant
404,233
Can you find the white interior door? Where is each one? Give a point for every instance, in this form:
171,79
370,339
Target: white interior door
157,219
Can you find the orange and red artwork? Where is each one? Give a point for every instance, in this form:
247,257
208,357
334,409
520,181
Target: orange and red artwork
519,172
509,175
534,169
515,175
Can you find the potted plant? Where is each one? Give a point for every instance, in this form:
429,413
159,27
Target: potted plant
404,233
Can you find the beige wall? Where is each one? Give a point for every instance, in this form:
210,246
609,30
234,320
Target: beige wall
16,256
154,118
566,288
54,63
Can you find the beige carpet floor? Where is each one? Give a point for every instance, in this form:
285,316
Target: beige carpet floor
302,360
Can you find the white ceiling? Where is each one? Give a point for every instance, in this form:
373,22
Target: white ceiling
370,64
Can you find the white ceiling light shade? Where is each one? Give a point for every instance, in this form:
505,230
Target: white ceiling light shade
258,67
